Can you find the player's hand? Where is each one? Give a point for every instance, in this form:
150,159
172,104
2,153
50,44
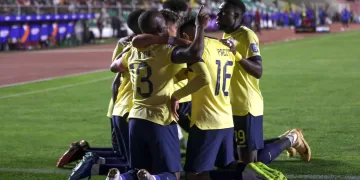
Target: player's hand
125,40
175,107
186,37
229,43
202,19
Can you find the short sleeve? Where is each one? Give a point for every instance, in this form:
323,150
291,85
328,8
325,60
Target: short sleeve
238,56
118,49
125,59
253,49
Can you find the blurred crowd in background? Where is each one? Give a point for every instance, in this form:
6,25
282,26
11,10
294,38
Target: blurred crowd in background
110,15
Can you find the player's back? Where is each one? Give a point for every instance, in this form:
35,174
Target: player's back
211,105
152,80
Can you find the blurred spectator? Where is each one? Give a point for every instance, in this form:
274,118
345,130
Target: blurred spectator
322,16
257,21
286,19
345,18
100,25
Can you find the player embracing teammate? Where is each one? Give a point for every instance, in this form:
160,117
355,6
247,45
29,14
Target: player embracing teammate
227,105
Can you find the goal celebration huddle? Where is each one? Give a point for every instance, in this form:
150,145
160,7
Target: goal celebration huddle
169,78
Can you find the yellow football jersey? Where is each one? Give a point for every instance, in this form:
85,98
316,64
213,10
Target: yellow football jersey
110,108
118,49
211,108
152,76
123,101
245,91
124,98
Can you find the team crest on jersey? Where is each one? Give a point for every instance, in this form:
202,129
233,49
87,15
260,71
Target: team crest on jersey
254,48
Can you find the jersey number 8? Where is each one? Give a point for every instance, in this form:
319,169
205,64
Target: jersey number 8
225,76
143,68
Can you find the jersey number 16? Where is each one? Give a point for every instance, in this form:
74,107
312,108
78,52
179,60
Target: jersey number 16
224,77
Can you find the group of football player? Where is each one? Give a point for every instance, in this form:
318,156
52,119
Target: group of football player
169,74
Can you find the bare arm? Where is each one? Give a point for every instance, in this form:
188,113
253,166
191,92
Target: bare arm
145,40
116,66
194,52
252,66
125,40
115,86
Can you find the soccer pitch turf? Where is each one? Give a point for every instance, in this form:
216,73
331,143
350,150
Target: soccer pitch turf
312,84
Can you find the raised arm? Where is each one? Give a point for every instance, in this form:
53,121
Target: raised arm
116,66
193,53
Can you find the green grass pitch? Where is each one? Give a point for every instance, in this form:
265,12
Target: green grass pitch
312,84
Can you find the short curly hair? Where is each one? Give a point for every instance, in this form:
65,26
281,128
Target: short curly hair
171,16
132,20
188,21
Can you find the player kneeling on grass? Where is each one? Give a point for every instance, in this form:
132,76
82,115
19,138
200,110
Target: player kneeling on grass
98,161
204,144
246,98
210,140
154,143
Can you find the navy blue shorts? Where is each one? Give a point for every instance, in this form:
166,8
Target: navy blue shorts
209,148
121,132
184,115
249,132
154,147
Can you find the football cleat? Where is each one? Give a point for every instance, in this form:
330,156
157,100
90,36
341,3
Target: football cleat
291,152
74,153
143,174
84,144
114,174
259,171
301,146
83,169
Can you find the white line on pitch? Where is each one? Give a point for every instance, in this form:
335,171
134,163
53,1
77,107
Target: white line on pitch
320,176
55,88
55,77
